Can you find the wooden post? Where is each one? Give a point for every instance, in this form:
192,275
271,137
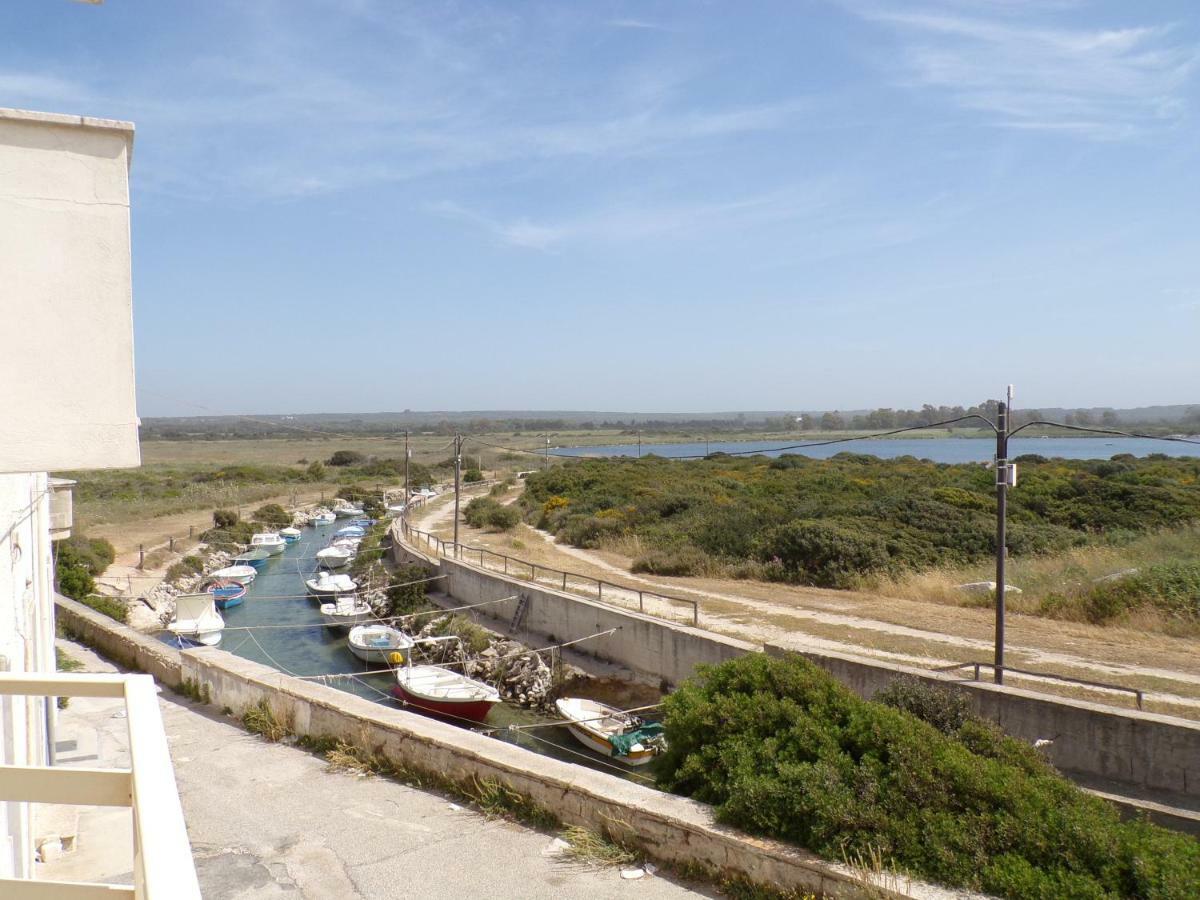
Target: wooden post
141,556
171,544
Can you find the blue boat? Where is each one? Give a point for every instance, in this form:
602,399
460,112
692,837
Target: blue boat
290,535
227,593
350,531
362,523
256,558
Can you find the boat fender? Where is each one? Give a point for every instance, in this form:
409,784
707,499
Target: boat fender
396,658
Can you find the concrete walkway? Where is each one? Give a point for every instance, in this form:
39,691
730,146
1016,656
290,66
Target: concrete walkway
268,821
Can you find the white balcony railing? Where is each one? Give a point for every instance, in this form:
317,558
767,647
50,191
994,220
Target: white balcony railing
162,864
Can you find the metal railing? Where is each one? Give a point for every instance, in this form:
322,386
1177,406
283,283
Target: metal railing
162,855
570,582
1138,694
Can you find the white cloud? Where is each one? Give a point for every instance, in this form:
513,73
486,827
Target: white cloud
1102,84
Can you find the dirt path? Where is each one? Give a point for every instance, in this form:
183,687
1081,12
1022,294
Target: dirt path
924,634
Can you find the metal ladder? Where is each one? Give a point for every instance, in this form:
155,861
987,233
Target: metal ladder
522,609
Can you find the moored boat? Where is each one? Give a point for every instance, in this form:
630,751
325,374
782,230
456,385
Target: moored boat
611,732
226,592
334,557
346,612
347,512
269,541
379,643
255,557
322,519
196,617
326,584
351,531
290,535
240,574
444,692
362,523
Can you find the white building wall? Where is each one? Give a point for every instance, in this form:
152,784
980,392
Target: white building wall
26,645
66,306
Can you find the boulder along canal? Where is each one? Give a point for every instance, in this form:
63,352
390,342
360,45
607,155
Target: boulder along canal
279,624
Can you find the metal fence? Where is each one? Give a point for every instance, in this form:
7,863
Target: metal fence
607,592
1138,694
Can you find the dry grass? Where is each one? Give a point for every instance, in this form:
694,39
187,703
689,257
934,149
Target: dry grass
589,847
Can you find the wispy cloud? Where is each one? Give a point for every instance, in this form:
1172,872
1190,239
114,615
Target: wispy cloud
1102,84
635,24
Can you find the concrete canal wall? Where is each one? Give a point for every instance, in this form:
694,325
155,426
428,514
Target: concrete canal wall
1090,740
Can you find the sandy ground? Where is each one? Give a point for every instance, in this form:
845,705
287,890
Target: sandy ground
922,634
269,821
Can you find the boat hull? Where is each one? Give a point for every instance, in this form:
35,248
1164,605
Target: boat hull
229,602
474,710
368,654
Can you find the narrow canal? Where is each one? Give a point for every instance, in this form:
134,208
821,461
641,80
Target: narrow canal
279,624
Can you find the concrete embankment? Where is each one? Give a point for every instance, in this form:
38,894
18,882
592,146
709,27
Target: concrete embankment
1141,761
672,830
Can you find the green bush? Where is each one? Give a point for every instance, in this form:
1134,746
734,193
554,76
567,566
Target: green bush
272,515
1172,588
225,518
945,709
315,470
827,555
110,606
345,458
678,561
485,512
779,748
77,562
472,475
407,589
75,582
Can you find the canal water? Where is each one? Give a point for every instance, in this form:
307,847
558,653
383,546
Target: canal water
942,450
279,624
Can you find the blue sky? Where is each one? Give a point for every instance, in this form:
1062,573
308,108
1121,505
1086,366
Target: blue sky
656,206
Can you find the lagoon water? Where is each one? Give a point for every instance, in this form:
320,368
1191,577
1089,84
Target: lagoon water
942,450
279,624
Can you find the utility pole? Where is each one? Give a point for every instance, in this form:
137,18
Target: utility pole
407,457
639,443
546,463
1003,411
457,485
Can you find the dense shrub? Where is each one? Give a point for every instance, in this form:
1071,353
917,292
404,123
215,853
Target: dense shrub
485,512
945,709
272,515
110,606
77,562
815,552
315,470
225,518
677,561
189,565
779,748
345,458
407,589
472,475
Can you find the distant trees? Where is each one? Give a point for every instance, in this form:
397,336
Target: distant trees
831,421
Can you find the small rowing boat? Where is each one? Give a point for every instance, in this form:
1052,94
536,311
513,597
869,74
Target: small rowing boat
346,612
379,643
240,574
444,692
290,535
256,557
226,592
610,732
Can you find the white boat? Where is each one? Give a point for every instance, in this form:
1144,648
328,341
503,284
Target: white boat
444,692
334,557
379,643
326,584
611,732
269,541
396,509
347,512
290,534
321,519
349,543
351,531
240,574
346,612
196,617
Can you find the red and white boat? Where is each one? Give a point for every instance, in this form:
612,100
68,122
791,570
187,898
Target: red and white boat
444,692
